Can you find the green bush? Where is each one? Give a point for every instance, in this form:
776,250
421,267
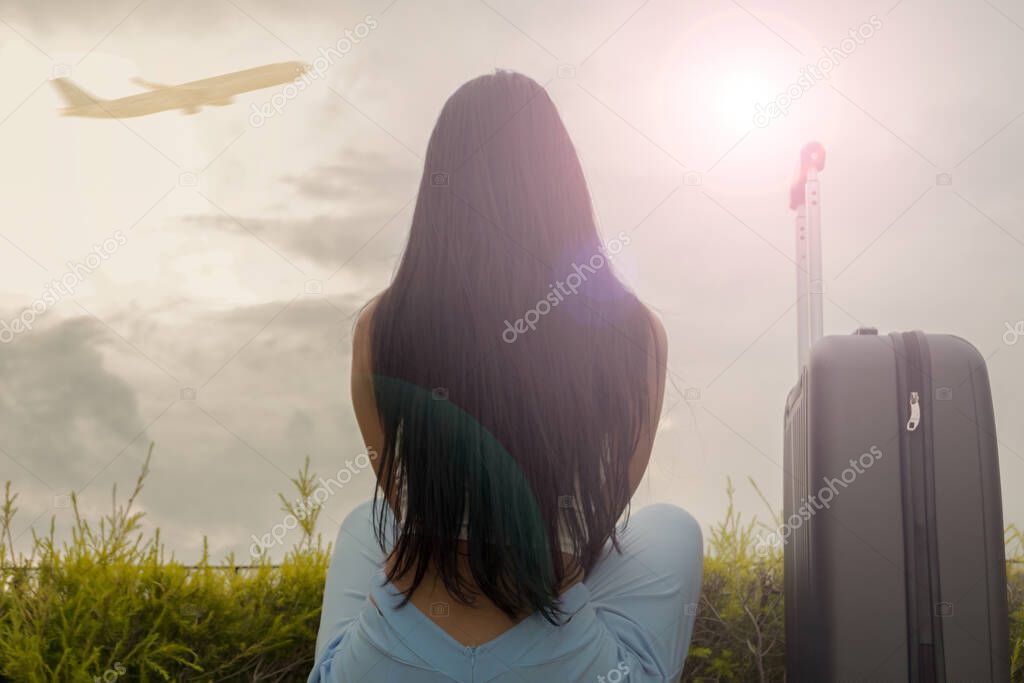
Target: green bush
110,602
739,631
109,605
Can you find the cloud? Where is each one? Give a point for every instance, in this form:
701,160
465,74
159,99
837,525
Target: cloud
277,391
272,389
57,15
367,195
359,176
327,240
64,413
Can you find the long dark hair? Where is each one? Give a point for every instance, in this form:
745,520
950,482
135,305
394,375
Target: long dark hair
510,364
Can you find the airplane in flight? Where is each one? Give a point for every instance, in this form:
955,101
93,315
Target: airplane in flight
189,97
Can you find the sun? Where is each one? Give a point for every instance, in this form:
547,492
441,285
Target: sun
736,95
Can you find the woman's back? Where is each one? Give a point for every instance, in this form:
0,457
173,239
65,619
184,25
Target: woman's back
508,386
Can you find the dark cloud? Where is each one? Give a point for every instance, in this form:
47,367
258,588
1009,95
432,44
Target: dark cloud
368,190
278,391
63,413
272,388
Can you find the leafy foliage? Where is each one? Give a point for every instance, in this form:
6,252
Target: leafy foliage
109,602
739,631
1015,593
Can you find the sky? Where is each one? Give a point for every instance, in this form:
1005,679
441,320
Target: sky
230,248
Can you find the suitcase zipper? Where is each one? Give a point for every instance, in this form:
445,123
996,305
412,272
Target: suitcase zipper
925,630
915,411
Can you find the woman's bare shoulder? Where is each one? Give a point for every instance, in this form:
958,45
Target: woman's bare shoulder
362,332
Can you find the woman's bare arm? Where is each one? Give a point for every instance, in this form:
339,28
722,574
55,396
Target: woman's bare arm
364,403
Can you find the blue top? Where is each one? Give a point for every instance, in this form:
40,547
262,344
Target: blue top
629,621
402,644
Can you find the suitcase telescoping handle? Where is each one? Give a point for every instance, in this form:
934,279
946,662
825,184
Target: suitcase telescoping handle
805,199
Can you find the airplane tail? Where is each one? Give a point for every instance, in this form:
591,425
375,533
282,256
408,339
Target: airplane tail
72,95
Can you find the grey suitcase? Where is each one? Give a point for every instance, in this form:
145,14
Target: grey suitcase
893,528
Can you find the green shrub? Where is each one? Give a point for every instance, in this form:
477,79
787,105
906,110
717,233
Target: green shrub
109,601
739,630
1015,593
109,605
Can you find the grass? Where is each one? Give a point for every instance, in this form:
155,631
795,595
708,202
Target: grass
110,605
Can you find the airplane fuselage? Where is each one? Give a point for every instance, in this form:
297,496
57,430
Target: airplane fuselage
190,97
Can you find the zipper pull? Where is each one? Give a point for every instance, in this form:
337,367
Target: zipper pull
915,411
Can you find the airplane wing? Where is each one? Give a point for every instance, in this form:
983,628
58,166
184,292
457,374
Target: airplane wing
149,85
80,103
72,95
